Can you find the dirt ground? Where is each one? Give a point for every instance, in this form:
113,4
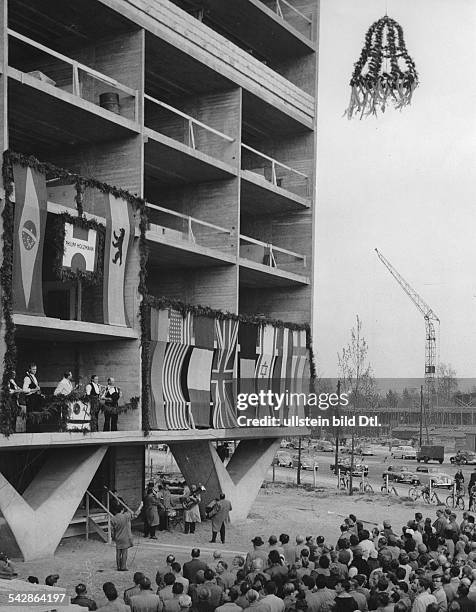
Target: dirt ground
278,508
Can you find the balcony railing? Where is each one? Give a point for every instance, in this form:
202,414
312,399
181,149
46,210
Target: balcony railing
78,73
173,225
187,130
275,172
271,255
291,14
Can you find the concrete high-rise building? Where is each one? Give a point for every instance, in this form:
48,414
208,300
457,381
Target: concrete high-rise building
207,110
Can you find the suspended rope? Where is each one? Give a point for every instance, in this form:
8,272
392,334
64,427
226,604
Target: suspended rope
372,85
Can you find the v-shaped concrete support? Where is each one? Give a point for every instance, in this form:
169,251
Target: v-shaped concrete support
240,480
39,518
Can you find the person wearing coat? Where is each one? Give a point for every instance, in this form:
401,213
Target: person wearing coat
191,513
220,517
151,505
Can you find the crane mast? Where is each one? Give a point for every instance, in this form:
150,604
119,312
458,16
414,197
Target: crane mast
430,332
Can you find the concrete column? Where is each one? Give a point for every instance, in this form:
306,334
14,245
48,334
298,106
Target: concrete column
240,480
39,518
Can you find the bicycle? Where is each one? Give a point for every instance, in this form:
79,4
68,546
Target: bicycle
456,499
388,490
424,493
365,486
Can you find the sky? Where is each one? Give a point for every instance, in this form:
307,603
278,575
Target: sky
403,182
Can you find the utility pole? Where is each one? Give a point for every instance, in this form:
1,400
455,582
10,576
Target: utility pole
336,458
299,462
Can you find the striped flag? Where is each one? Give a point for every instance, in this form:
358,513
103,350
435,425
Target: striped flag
223,370
247,338
299,360
171,346
28,237
283,366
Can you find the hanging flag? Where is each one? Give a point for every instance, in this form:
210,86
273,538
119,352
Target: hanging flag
172,338
300,357
223,371
199,370
28,238
119,239
247,339
267,351
159,324
283,367
80,248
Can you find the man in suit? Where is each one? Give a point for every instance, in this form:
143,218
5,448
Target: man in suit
220,517
191,568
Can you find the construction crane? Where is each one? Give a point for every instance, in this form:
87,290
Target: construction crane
430,321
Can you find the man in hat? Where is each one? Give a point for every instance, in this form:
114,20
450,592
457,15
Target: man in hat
82,598
191,508
220,518
258,552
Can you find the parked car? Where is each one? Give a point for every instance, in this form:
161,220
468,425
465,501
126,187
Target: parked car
431,453
325,447
366,451
404,452
400,473
464,457
283,459
439,480
344,466
306,463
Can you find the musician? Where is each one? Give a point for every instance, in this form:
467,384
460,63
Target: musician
32,390
191,503
111,397
65,385
94,391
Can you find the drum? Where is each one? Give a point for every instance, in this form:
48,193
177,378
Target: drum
79,416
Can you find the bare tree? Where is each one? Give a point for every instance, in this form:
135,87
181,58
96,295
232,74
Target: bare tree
357,377
447,382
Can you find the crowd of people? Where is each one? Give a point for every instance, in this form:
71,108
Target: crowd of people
429,565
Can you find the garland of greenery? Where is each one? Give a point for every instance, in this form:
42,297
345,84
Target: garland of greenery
373,86
162,303
9,410
88,278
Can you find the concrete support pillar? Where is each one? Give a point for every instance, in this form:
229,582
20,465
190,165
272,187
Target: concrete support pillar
38,519
240,480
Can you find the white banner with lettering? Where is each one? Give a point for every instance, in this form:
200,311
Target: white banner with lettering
80,246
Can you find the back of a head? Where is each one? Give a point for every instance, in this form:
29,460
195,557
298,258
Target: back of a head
209,574
145,584
138,577
176,567
274,557
288,588
400,606
320,581
80,589
195,553
272,540
177,588
185,601
284,538
252,596
169,579
299,539
233,593
270,587
52,579
110,591
245,587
